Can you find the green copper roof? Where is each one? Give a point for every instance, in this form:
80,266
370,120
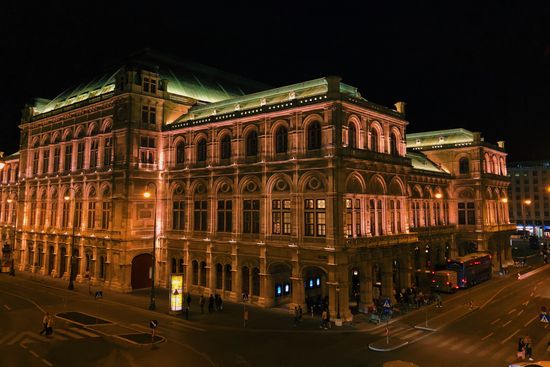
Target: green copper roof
200,82
439,137
420,161
313,88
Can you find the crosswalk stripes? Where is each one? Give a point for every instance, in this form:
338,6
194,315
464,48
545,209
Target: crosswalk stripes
84,332
411,334
447,341
70,334
8,336
488,349
459,344
61,334
471,348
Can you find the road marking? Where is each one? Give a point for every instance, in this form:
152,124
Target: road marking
506,323
525,303
510,337
192,327
545,326
34,354
412,334
471,348
458,345
512,311
8,336
70,334
494,322
520,312
487,336
58,337
530,321
447,341
46,362
84,332
17,338
7,307
532,293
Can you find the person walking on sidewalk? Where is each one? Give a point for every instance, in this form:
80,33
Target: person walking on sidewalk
300,312
45,323
295,316
528,348
49,328
210,303
521,349
324,319
188,300
201,303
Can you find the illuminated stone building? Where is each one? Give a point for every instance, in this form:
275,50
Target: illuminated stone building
300,192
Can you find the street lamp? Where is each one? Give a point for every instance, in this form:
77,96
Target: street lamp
523,203
147,194
71,258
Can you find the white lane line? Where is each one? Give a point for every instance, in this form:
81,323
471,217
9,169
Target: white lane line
34,353
58,337
84,332
7,307
532,293
506,323
69,334
494,322
545,326
487,336
525,303
530,321
512,311
510,337
179,324
471,348
46,362
520,312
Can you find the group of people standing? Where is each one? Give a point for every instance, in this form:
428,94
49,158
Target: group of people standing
525,348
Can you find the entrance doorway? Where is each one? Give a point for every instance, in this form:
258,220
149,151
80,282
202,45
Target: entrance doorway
141,268
315,289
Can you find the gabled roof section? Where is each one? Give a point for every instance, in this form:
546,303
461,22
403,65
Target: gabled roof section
316,89
421,162
200,82
436,138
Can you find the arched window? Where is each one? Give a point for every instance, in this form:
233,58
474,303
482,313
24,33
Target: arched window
374,140
252,144
314,136
464,165
393,144
228,278
180,152
201,150
219,276
225,147
281,140
352,136
203,274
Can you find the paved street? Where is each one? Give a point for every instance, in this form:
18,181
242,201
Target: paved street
114,330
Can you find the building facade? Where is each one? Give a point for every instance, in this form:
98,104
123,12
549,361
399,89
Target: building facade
529,194
291,194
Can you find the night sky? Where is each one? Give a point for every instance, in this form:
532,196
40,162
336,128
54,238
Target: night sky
483,66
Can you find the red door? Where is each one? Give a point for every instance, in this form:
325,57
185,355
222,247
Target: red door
140,271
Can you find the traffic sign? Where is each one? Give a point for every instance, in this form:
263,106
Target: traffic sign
544,318
387,303
153,324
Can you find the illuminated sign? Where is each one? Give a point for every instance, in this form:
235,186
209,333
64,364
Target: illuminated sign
176,293
278,290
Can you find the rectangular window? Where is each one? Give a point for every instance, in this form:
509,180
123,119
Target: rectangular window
80,155
225,213
33,213
178,215
280,217
91,214
68,157
379,218
56,157
466,213
392,217
35,162
200,211
349,217
46,160
315,217
53,213
106,214
107,151
78,214
372,217
251,216
147,149
149,85
94,146
65,218
148,115
43,209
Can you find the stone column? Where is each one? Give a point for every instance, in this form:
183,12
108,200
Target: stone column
298,292
210,270
265,298
387,278
236,285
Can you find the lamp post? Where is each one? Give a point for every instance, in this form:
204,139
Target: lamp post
147,194
523,203
71,257
503,200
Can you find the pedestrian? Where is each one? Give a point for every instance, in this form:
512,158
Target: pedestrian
49,327
45,323
528,348
300,312
295,316
521,349
324,319
188,300
210,303
439,302
201,303
220,302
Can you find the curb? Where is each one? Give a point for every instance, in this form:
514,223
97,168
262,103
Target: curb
389,349
425,328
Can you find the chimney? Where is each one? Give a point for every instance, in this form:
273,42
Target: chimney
400,107
500,144
333,84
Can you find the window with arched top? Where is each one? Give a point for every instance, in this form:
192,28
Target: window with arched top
393,144
314,136
225,147
281,140
180,152
374,140
201,150
464,165
352,136
252,144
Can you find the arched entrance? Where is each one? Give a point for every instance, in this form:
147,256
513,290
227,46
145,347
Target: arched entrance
316,292
141,265
281,285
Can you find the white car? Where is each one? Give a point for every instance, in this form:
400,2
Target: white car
531,364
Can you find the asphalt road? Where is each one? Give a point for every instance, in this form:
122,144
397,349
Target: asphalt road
486,335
